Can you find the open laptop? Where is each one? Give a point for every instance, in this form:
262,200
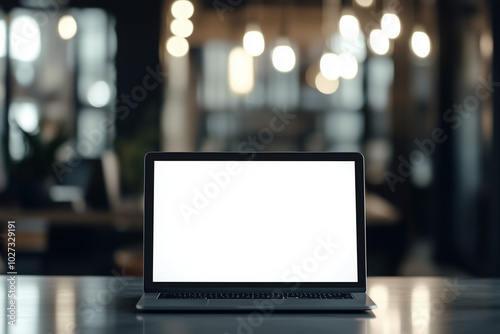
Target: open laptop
266,231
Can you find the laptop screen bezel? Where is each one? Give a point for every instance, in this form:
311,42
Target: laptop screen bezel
152,157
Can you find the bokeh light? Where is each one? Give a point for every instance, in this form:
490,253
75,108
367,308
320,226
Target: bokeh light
67,27
329,65
253,42
181,27
182,9
283,58
24,38
379,42
365,3
324,85
240,71
391,25
420,44
348,66
26,116
349,27
177,46
99,94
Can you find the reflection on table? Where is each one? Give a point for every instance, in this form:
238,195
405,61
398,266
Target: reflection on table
107,305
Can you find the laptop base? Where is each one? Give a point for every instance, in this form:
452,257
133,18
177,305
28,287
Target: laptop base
150,301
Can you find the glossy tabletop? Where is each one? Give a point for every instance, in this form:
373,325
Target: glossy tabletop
90,304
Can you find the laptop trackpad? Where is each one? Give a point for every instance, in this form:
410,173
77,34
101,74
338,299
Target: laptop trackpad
231,303
251,304
187,303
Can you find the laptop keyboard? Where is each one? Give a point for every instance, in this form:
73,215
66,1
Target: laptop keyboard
255,295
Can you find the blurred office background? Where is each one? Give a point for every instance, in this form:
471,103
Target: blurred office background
88,87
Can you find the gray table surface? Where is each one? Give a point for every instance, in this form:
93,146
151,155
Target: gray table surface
88,304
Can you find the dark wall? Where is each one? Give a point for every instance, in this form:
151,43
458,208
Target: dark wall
467,231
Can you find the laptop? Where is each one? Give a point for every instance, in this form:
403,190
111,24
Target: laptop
264,231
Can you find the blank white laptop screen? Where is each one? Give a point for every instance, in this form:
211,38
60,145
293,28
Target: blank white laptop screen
254,221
